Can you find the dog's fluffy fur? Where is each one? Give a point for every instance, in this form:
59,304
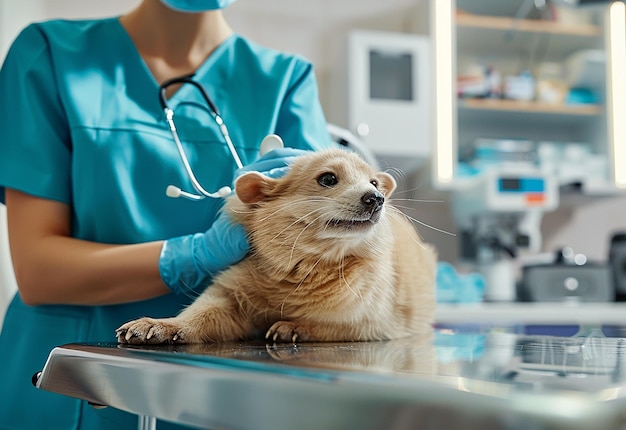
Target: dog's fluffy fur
330,260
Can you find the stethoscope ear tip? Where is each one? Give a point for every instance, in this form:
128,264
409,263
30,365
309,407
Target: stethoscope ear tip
173,191
224,192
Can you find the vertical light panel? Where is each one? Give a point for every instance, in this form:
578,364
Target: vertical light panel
616,90
445,91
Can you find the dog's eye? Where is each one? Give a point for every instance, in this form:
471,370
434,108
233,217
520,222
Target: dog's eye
327,180
374,182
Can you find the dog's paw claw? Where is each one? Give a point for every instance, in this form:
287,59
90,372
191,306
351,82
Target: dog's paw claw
150,331
286,331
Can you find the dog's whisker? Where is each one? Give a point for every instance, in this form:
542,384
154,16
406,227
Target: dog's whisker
425,224
408,190
189,292
401,193
342,276
399,173
375,247
289,205
281,206
293,247
394,200
294,223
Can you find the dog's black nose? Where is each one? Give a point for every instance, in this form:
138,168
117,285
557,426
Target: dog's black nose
373,199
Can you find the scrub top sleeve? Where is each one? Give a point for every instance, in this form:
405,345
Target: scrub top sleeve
35,143
301,122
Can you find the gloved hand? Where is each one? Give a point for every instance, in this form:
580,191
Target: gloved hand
273,164
189,262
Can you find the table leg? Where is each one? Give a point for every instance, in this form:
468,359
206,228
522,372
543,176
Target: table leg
146,423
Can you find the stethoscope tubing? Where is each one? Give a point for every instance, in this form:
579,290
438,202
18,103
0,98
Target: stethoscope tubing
169,116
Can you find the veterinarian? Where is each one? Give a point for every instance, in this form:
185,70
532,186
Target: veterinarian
85,158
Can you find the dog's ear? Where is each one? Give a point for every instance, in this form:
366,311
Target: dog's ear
387,184
253,187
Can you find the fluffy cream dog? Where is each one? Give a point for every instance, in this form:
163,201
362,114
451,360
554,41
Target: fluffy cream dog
330,260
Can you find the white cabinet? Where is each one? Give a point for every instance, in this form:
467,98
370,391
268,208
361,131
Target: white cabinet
472,35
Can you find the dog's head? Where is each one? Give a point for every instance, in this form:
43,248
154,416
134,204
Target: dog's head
331,194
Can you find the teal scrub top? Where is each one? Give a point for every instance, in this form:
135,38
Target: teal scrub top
82,124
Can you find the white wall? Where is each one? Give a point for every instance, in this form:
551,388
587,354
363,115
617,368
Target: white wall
315,29
15,14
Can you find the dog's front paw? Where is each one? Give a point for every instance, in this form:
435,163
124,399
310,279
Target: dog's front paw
151,331
287,331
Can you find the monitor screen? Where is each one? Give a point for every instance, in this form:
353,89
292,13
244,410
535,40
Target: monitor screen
391,75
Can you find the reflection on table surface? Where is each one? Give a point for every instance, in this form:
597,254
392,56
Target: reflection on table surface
497,377
583,362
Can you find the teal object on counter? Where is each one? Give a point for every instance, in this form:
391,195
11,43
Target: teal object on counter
82,125
453,287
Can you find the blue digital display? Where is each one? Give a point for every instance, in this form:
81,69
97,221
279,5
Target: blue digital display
521,185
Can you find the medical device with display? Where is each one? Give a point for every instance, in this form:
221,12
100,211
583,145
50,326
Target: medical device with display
498,213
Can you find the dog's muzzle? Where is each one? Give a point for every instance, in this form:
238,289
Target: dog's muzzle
373,200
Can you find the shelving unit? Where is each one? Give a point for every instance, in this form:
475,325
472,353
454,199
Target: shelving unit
513,45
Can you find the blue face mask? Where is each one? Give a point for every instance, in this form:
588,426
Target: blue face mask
196,5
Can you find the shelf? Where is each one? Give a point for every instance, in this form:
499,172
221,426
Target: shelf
516,118
497,37
526,25
528,106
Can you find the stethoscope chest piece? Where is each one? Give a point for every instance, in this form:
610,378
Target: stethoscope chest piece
270,142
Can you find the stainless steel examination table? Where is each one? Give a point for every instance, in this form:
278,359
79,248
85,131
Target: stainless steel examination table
455,378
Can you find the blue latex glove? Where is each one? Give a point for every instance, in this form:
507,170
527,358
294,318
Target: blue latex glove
188,263
273,164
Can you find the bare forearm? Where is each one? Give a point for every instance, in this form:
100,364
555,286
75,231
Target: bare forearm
52,267
61,270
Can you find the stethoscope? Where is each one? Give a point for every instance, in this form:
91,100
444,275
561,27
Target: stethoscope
269,143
